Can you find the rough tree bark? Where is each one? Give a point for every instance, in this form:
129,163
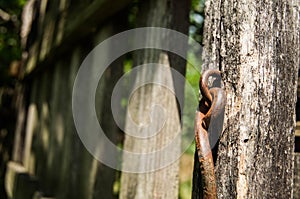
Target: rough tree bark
256,45
164,182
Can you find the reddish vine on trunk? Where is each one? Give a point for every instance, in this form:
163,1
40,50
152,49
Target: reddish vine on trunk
210,107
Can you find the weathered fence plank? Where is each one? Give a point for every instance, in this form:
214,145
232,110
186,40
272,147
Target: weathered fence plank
52,150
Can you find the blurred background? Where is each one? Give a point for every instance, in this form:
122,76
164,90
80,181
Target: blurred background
42,44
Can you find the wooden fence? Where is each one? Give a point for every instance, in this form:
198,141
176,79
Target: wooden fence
49,159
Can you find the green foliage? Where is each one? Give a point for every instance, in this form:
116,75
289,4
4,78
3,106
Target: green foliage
197,19
10,23
13,6
190,100
185,190
192,77
192,72
133,13
190,106
198,6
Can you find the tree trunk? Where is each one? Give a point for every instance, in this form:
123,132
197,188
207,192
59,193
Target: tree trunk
256,46
162,183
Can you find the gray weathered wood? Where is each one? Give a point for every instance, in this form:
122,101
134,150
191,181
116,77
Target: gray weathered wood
62,26
105,176
162,183
19,183
57,37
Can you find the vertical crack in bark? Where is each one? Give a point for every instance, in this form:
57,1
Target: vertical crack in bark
220,39
258,134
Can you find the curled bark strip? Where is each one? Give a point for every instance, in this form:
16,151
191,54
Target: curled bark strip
210,107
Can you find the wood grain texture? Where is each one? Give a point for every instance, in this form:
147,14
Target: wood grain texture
162,183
